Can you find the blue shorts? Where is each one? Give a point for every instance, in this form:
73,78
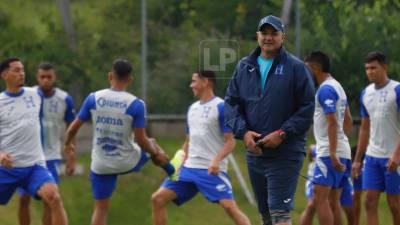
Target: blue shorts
357,182
274,181
103,185
346,197
326,175
29,178
54,167
191,181
376,176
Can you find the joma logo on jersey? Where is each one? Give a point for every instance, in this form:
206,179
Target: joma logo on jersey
109,120
221,187
102,102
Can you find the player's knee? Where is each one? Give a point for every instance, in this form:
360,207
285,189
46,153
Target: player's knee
319,199
158,200
371,201
394,204
311,204
334,204
55,199
229,206
356,197
102,205
52,197
280,216
371,204
24,200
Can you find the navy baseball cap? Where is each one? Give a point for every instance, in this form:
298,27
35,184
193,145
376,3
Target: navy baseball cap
273,21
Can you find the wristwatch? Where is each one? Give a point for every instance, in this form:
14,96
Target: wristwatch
282,134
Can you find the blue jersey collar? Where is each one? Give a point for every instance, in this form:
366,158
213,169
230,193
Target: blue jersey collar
207,101
10,94
44,96
378,88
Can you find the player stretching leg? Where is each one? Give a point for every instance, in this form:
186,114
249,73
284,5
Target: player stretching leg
207,144
120,142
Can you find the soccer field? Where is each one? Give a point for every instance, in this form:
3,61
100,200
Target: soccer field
131,201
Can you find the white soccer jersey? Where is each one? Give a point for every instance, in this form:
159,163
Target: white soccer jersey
382,106
114,115
57,110
330,98
206,130
20,133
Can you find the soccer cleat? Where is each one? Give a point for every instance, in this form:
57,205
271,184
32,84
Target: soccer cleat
177,162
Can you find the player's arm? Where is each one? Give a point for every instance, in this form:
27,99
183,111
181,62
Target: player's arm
394,161
332,130
309,152
363,138
69,116
185,147
348,121
229,142
328,99
70,156
138,111
157,155
143,140
69,146
229,146
83,116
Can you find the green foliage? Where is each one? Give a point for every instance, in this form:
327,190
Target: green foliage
106,30
348,30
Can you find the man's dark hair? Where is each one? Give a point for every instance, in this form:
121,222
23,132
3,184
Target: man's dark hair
45,66
207,74
320,58
376,55
4,65
122,68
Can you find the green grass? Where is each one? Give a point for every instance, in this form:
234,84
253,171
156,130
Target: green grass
131,200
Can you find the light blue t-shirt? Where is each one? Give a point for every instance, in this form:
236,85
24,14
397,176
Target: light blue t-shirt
265,66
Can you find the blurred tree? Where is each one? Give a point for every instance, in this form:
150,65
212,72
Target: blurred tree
108,29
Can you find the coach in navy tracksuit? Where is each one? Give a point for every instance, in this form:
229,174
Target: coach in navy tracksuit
271,96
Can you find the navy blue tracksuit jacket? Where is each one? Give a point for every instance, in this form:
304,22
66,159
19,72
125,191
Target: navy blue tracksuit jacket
287,102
